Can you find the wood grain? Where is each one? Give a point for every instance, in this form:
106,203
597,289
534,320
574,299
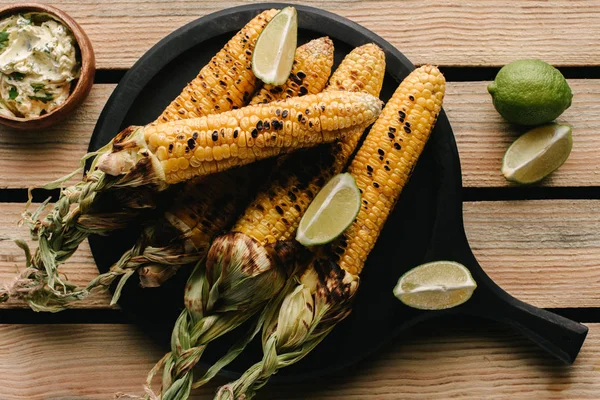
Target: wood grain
543,252
465,33
457,360
37,157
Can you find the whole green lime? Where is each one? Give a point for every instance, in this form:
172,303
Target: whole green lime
530,92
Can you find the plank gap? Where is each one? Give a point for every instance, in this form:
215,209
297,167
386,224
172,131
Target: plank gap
452,73
26,316
530,193
15,195
488,73
116,316
109,75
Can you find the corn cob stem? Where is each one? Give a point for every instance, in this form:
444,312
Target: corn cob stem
75,214
323,297
220,296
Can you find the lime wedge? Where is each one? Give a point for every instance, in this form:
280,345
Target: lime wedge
331,212
537,153
435,286
275,48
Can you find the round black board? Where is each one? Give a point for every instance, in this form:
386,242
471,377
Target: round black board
428,212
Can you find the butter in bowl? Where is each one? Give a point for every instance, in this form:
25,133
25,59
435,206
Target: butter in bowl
47,66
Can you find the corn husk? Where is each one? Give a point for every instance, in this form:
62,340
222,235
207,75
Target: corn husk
295,323
235,282
92,206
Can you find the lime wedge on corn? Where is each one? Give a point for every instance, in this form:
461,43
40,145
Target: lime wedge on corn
435,286
331,212
537,153
275,48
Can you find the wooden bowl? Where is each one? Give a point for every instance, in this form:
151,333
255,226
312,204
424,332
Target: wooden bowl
82,85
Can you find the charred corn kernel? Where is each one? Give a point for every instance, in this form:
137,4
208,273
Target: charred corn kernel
275,213
226,82
312,66
260,131
385,160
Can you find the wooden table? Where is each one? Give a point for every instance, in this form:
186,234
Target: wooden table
541,243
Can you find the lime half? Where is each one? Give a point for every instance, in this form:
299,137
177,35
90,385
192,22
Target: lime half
331,212
275,48
537,153
435,286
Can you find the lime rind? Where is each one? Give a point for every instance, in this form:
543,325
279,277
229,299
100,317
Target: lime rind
340,182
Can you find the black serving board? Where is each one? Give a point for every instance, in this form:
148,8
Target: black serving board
432,230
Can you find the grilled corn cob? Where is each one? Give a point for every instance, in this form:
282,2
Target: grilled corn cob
226,82
82,210
169,153
205,208
298,322
260,242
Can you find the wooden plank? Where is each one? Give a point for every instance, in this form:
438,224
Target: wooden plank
36,157
470,361
446,32
543,252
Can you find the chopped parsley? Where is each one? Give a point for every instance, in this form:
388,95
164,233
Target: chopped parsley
44,99
12,93
3,39
37,87
17,76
